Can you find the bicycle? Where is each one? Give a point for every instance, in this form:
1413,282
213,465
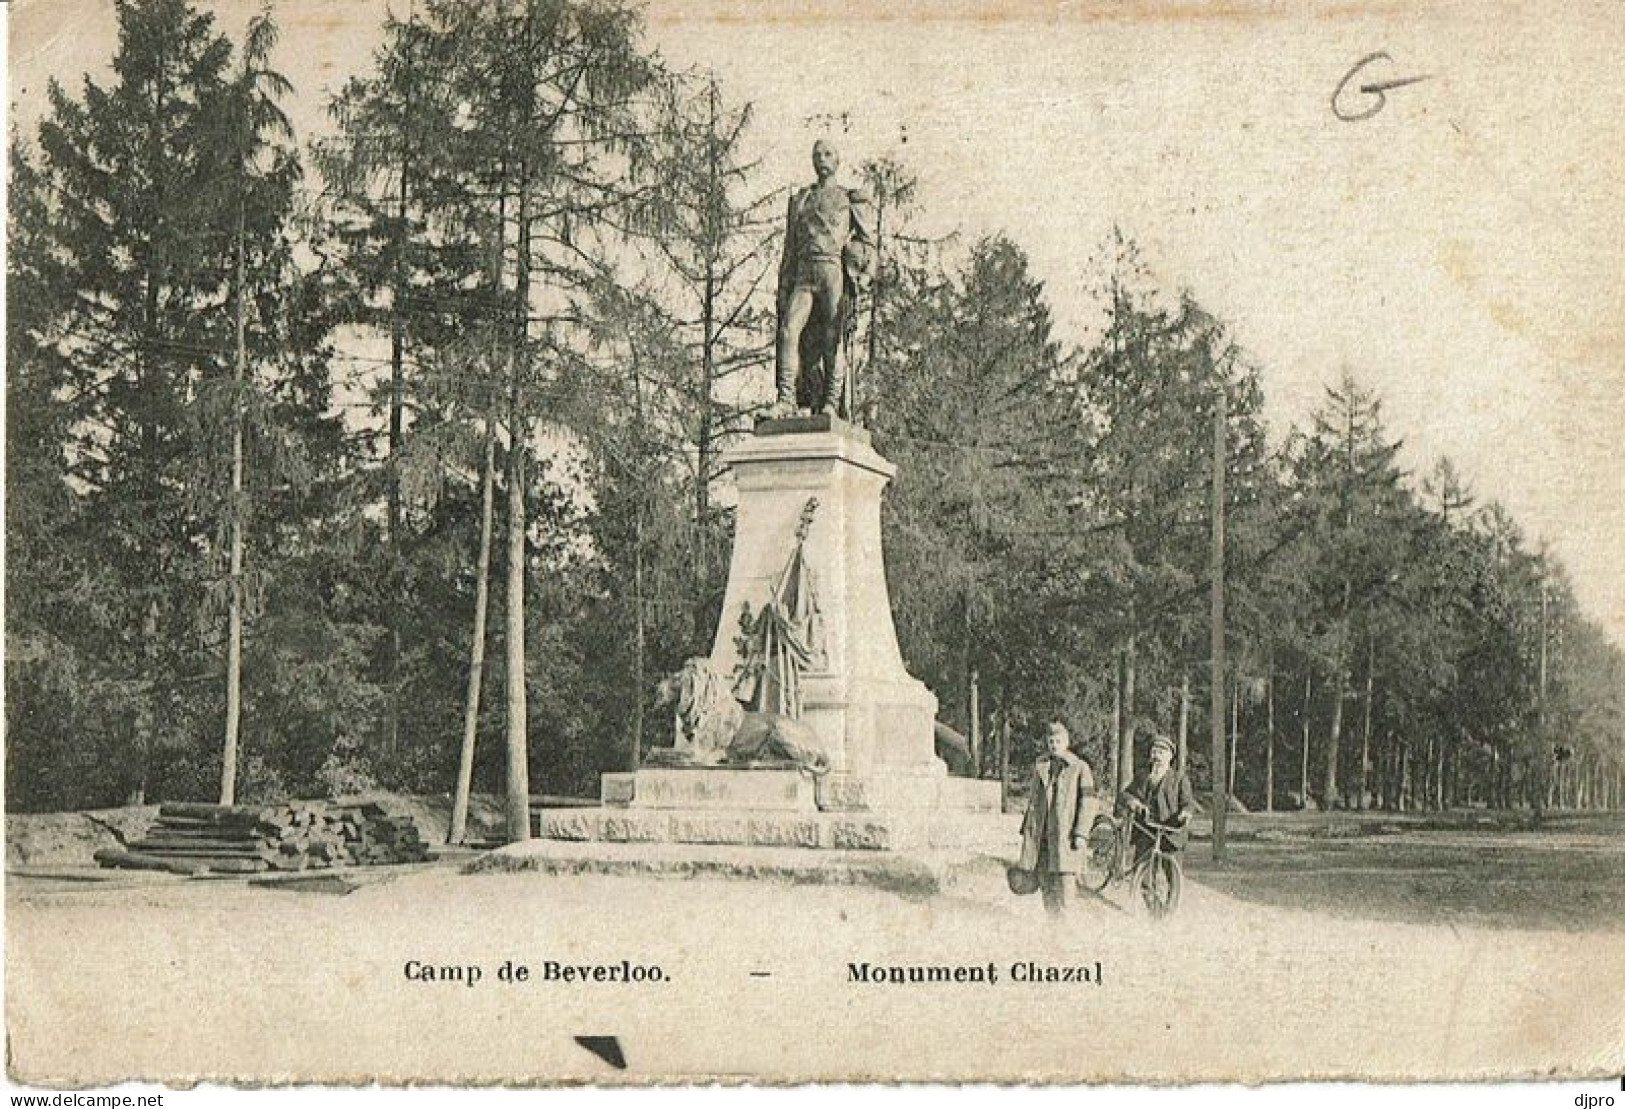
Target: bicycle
1154,882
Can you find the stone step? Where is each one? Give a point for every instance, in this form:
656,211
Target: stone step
857,831
911,874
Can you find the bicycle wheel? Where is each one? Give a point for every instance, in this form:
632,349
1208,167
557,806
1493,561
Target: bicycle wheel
1100,849
1157,884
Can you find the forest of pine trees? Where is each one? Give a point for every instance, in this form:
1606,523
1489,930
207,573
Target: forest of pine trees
387,455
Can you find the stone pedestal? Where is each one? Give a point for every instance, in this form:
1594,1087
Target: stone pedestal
873,717
886,790
711,788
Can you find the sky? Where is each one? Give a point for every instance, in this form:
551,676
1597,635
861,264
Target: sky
1461,252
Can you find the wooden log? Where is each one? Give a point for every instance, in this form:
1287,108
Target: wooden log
207,835
197,847
219,832
206,856
195,823
130,860
220,813
238,866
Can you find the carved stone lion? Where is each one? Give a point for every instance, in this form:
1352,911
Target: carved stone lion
714,729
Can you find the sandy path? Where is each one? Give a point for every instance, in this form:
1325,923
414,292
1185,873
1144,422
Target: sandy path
197,980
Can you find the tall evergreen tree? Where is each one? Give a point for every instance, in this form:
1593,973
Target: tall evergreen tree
551,99
165,205
962,405
1349,476
411,271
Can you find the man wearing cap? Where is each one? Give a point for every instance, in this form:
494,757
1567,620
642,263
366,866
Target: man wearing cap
1061,807
1163,795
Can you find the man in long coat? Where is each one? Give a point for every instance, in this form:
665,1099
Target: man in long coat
1061,807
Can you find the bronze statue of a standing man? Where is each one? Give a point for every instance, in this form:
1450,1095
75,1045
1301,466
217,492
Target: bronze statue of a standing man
828,252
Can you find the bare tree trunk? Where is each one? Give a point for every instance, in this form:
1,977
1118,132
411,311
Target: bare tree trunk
706,438
1543,761
1235,736
965,667
1308,695
1269,736
975,724
640,631
1340,659
1004,757
1365,728
640,644
1184,720
1126,770
1334,736
457,831
234,616
1216,623
476,647
1117,723
397,405
518,793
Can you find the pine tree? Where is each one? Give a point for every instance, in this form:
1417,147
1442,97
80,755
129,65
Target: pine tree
166,201
1139,481
412,271
1349,477
552,145
963,407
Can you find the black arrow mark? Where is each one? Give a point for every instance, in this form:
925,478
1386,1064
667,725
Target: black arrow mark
607,1048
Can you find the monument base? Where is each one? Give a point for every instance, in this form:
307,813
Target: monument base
810,831
713,788
726,789
807,537
785,809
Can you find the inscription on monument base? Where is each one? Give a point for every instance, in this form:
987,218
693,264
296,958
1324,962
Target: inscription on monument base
718,789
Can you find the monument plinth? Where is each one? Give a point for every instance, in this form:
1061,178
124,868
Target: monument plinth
807,550
871,715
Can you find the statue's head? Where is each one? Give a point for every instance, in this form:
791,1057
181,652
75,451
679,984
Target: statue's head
826,160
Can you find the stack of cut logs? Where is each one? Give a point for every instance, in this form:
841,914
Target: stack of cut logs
245,839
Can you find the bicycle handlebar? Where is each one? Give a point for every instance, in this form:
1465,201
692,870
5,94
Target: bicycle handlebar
1151,825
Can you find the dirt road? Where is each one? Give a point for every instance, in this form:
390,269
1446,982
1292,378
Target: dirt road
221,980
